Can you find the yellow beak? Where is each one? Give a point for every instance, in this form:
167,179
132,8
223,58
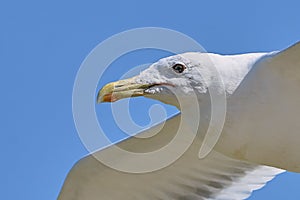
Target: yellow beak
121,89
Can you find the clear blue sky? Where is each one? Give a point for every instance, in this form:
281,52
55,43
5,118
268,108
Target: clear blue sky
42,45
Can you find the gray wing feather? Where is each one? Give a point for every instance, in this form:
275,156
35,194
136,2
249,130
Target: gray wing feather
214,177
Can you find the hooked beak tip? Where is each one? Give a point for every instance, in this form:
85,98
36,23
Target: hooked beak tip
119,90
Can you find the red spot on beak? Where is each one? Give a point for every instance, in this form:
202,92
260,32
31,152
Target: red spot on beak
109,98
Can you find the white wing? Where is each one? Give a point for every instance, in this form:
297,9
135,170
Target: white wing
263,113
214,177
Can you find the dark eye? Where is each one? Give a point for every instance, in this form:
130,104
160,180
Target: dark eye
179,68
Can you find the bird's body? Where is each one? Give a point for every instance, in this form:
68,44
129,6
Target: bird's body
261,128
263,112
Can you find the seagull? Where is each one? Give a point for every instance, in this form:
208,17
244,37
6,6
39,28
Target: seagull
260,137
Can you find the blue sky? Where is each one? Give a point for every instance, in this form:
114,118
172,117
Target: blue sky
42,45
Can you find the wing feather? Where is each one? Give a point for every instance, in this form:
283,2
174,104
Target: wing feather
214,177
269,98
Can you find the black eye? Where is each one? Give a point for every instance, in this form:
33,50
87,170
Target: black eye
179,68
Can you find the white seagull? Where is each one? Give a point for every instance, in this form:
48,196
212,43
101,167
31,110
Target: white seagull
260,137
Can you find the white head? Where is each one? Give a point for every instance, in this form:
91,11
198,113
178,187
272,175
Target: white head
178,76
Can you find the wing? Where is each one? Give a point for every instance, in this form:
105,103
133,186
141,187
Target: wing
214,177
269,98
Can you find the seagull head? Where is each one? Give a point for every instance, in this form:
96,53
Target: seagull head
167,80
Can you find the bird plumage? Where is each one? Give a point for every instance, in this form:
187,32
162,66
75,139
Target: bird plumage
261,128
